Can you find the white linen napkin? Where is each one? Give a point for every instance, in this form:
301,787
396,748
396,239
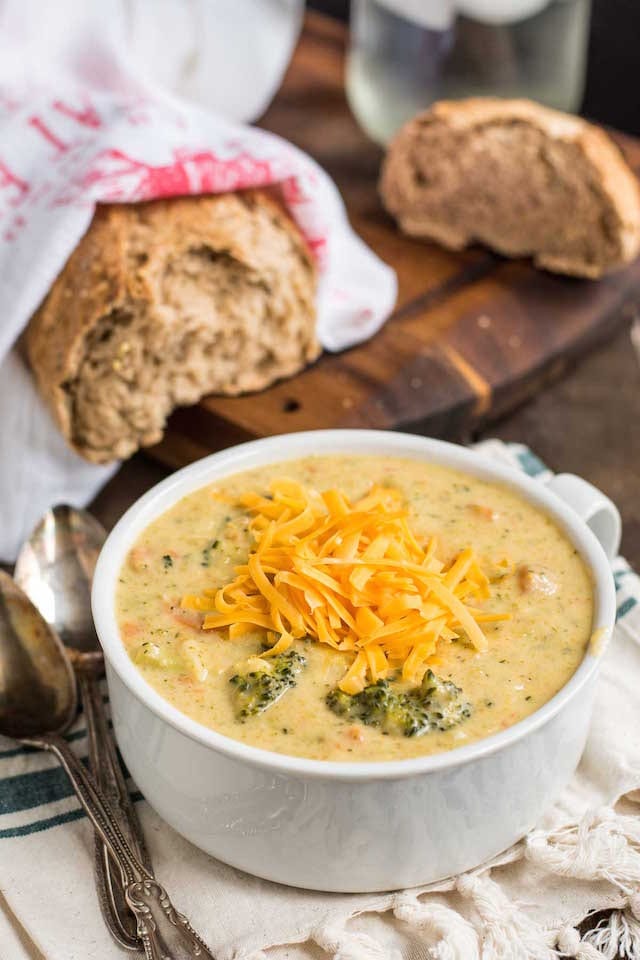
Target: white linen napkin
584,857
82,121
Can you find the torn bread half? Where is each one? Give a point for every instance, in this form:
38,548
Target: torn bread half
165,301
520,178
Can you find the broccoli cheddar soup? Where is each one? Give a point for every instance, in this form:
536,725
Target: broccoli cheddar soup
355,607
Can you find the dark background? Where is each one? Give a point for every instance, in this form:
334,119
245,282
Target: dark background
612,93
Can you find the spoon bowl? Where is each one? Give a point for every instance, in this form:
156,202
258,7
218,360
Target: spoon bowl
37,684
55,569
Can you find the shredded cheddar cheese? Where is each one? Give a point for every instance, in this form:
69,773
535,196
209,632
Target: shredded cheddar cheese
352,576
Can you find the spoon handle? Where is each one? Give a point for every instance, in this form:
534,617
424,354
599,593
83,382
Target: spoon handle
165,933
103,762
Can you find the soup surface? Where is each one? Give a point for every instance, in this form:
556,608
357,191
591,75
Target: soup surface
535,578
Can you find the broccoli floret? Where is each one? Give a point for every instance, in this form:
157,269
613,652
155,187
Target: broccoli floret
445,701
434,705
372,706
258,690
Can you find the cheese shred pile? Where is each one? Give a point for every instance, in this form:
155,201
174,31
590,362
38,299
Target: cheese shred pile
350,575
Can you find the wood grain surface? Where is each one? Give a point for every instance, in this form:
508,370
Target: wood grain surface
472,335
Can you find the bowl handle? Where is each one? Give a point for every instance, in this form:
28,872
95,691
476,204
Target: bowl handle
598,511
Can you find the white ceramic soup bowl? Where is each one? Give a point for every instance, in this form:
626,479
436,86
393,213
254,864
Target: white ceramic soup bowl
355,826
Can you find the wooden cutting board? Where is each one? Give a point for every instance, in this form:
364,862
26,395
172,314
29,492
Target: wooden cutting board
472,335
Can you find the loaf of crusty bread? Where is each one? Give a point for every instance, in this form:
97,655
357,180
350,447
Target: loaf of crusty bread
521,178
165,301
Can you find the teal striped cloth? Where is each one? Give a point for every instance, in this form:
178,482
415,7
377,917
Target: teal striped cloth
35,796
47,902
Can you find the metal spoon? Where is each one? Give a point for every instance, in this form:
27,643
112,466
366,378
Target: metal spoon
55,569
37,704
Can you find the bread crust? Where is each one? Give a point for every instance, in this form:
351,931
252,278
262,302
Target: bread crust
605,168
230,269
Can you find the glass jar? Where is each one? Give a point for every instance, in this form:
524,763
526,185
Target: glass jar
404,54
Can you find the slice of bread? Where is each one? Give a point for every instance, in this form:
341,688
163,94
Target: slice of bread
521,178
165,301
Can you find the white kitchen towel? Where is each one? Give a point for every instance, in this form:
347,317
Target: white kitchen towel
82,120
585,856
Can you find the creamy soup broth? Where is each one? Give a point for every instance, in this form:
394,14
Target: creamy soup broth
197,543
